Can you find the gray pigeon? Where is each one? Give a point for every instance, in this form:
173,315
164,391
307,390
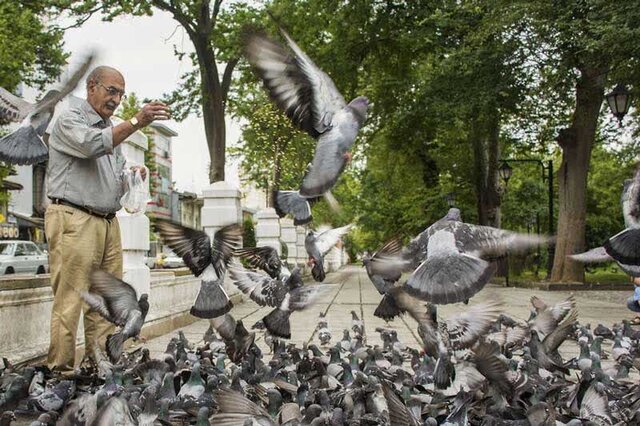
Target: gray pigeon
318,244
25,145
236,337
311,100
384,269
116,301
285,296
265,258
455,258
195,249
624,247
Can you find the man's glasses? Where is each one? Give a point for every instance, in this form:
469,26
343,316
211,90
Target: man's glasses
112,91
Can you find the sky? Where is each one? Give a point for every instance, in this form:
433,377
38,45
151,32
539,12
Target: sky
142,49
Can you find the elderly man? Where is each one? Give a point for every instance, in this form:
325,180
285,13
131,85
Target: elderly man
85,187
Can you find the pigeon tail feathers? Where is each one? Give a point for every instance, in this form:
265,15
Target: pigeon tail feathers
23,146
290,202
388,309
277,323
449,279
212,301
625,246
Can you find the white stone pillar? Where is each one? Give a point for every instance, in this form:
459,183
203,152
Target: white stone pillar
289,236
221,207
134,229
302,255
268,229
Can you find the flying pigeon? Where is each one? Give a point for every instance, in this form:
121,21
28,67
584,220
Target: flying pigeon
116,301
25,145
455,258
384,269
285,296
311,100
204,260
319,244
624,247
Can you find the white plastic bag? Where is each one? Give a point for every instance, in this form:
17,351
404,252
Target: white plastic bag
136,195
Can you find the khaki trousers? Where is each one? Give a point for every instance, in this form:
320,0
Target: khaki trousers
78,242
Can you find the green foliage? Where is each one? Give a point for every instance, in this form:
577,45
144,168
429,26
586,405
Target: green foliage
248,233
30,50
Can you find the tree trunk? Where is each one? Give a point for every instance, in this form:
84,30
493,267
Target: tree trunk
576,143
486,153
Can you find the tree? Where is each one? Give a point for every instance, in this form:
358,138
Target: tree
581,48
215,34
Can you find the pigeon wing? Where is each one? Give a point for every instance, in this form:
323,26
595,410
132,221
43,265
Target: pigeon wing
119,297
297,86
330,238
492,243
226,240
258,257
192,245
465,328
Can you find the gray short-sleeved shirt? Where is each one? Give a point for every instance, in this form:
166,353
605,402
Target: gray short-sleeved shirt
84,168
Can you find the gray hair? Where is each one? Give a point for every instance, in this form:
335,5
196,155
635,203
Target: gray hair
98,72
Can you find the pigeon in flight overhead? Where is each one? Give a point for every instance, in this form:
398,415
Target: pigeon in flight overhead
624,247
318,244
384,269
455,258
311,100
285,295
204,260
25,145
116,301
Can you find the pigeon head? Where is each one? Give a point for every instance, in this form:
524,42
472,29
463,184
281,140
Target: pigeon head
359,106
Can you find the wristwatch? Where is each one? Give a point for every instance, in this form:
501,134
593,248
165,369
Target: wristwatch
134,122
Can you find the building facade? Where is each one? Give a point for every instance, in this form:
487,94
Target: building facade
161,179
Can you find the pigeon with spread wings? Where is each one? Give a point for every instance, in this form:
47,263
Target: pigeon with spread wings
455,258
265,258
205,261
25,145
318,244
311,100
624,247
285,295
116,301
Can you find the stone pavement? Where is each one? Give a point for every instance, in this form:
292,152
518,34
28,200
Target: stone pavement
352,290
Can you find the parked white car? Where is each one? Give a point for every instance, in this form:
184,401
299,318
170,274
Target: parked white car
22,256
169,260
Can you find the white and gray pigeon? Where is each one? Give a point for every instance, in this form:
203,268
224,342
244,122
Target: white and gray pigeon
311,100
318,244
25,145
117,302
624,247
285,295
205,261
454,258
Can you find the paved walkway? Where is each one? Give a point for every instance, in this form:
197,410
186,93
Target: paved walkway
352,290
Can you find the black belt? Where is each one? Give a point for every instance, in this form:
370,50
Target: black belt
107,216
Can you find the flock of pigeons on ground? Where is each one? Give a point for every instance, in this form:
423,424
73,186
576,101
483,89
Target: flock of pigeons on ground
478,367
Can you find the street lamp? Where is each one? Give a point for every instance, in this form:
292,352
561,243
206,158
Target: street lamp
619,100
505,171
451,198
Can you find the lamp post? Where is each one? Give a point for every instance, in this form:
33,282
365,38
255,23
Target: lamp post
619,100
505,171
451,198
